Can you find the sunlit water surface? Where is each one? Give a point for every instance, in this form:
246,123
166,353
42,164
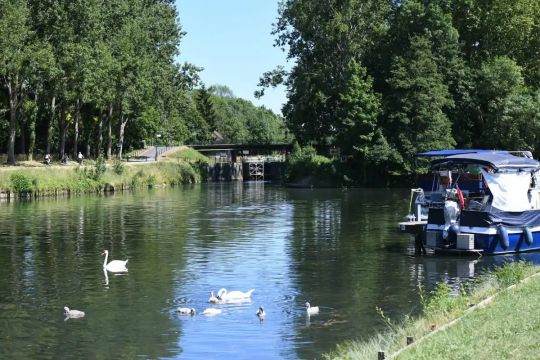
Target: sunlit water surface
338,249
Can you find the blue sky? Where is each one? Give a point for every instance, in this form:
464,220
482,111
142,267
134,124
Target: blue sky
231,39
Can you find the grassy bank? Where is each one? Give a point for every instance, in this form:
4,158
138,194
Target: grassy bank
95,177
465,325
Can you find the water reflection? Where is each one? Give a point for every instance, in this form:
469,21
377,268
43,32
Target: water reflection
335,249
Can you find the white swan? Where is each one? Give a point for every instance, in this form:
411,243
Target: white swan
224,295
74,314
211,312
312,310
213,299
186,311
261,314
114,265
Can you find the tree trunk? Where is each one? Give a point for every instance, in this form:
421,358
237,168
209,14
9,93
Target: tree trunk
109,133
51,124
123,124
100,133
32,128
22,128
76,120
62,128
12,122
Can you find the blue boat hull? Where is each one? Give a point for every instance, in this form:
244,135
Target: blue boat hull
493,244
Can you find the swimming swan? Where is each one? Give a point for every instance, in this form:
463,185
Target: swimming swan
211,312
114,265
260,313
213,299
73,313
312,310
186,311
223,294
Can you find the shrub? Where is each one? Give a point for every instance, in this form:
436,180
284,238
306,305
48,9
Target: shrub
99,168
151,181
21,183
188,175
305,162
118,167
511,273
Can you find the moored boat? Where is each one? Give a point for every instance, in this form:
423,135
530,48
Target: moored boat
477,201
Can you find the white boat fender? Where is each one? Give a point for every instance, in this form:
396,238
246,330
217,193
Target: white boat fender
503,236
527,234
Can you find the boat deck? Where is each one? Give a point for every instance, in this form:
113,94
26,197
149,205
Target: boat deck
412,227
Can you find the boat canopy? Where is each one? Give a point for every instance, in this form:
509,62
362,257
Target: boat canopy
449,152
493,159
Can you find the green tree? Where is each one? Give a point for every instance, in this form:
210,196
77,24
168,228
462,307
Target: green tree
359,110
501,28
322,37
416,111
206,107
16,39
507,113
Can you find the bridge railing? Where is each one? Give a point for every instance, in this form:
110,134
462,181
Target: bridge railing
264,158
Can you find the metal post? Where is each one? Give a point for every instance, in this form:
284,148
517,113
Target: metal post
410,340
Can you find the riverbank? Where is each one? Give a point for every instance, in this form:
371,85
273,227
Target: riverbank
94,177
495,317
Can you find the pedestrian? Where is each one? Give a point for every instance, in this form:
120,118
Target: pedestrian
80,158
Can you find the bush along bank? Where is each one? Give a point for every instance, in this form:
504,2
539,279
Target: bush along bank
96,178
305,168
449,326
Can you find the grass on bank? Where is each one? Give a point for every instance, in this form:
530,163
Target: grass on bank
506,328
189,155
90,178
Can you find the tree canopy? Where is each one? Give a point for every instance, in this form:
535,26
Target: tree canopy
100,77
387,79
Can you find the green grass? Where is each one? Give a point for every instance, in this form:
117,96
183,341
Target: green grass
189,155
508,328
480,334
41,181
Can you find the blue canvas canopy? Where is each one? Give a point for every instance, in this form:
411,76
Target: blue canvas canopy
450,152
495,160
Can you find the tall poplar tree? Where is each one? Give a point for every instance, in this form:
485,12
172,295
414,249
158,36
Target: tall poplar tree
416,109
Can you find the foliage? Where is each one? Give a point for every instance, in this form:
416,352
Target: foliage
422,75
21,183
46,181
416,108
206,108
118,167
442,301
305,165
99,168
92,70
511,273
241,122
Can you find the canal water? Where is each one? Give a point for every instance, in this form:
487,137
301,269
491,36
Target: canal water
337,249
